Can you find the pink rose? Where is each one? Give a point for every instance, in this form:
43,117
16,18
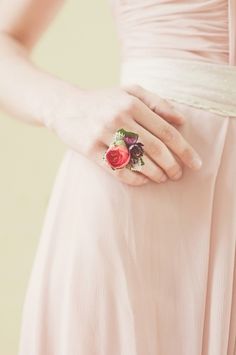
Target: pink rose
117,156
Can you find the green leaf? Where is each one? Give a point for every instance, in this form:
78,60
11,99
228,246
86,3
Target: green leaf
131,134
142,162
120,142
122,132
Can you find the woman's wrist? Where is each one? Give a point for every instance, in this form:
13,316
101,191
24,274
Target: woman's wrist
63,102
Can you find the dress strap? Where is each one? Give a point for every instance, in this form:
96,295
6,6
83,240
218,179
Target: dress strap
232,31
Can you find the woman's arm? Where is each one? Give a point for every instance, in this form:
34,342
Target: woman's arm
85,120
26,91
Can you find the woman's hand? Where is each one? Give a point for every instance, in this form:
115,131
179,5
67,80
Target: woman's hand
85,120
94,115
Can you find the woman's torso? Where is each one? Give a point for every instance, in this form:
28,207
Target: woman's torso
203,30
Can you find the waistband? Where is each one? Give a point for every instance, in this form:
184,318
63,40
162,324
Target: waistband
203,85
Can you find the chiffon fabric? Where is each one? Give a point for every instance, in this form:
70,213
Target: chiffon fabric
148,270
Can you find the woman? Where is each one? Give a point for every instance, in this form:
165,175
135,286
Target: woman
135,262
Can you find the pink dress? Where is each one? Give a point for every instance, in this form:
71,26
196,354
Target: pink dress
150,270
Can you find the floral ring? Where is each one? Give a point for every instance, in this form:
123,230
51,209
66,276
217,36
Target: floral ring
125,151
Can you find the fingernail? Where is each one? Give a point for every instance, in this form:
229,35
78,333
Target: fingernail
196,163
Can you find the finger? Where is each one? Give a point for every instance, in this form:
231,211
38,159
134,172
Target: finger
169,135
155,149
124,175
152,170
157,104
159,153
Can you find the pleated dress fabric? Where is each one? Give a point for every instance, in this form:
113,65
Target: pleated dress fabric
148,270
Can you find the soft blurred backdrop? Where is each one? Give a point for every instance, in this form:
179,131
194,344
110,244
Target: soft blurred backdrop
80,46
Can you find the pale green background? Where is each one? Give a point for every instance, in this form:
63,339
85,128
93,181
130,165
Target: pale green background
80,46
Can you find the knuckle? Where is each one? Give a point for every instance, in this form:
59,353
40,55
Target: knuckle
174,171
132,88
187,154
112,122
165,102
159,175
118,119
155,149
154,106
168,134
155,173
130,105
124,115
138,89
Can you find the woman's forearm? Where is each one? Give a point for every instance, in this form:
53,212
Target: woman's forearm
26,91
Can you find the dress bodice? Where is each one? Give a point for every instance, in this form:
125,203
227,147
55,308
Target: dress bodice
203,30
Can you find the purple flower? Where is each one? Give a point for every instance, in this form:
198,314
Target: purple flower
130,139
136,150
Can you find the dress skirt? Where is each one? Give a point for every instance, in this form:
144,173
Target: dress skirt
140,270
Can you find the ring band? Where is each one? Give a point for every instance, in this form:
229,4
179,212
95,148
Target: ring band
125,151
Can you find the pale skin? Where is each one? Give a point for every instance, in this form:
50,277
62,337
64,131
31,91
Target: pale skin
39,98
